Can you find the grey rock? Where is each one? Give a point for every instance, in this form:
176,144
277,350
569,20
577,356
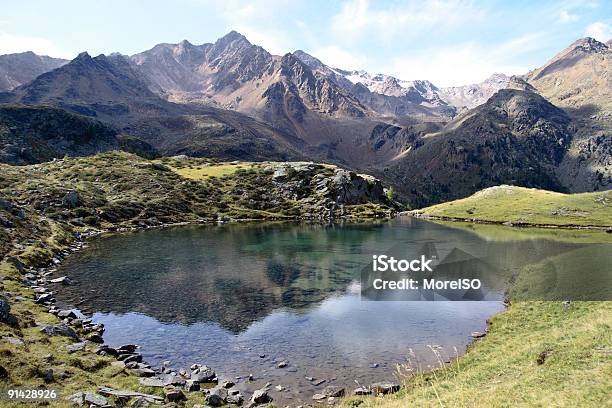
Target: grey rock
95,399
5,309
71,200
384,388
127,349
17,264
14,341
362,391
46,297
63,280
73,348
59,330
261,397
191,386
144,372
236,399
64,314
217,397
333,391
77,398
203,374
105,350
174,394
153,382
95,338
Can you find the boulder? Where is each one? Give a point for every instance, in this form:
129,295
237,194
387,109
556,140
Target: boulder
5,309
174,394
95,399
333,391
127,349
66,314
203,374
59,330
191,386
64,280
217,397
236,399
261,397
95,338
71,200
362,391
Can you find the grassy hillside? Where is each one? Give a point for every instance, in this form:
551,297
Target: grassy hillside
518,205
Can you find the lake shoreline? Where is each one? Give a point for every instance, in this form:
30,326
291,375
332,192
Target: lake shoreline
506,223
79,241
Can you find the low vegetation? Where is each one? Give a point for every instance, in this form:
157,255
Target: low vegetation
44,207
525,206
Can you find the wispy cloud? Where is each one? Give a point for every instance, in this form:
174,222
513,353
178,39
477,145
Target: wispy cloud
16,43
599,30
360,19
469,62
566,17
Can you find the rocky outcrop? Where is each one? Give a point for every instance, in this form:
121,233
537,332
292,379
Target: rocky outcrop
326,190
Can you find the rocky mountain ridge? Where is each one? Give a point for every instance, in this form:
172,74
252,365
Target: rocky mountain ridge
21,68
234,100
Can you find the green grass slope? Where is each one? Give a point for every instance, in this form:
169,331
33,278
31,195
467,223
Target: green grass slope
526,206
537,354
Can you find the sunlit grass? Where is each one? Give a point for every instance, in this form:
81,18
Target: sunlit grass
524,205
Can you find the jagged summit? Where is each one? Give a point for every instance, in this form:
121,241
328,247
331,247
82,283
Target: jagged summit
232,36
588,44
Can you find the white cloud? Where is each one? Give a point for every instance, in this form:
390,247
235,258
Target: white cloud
463,64
599,31
358,19
10,44
255,21
339,58
566,17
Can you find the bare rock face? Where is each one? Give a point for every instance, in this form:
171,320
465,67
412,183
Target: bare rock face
21,68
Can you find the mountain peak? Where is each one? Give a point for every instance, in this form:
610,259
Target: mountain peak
231,37
589,45
83,55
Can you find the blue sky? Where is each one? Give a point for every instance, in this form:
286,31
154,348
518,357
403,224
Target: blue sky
450,42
